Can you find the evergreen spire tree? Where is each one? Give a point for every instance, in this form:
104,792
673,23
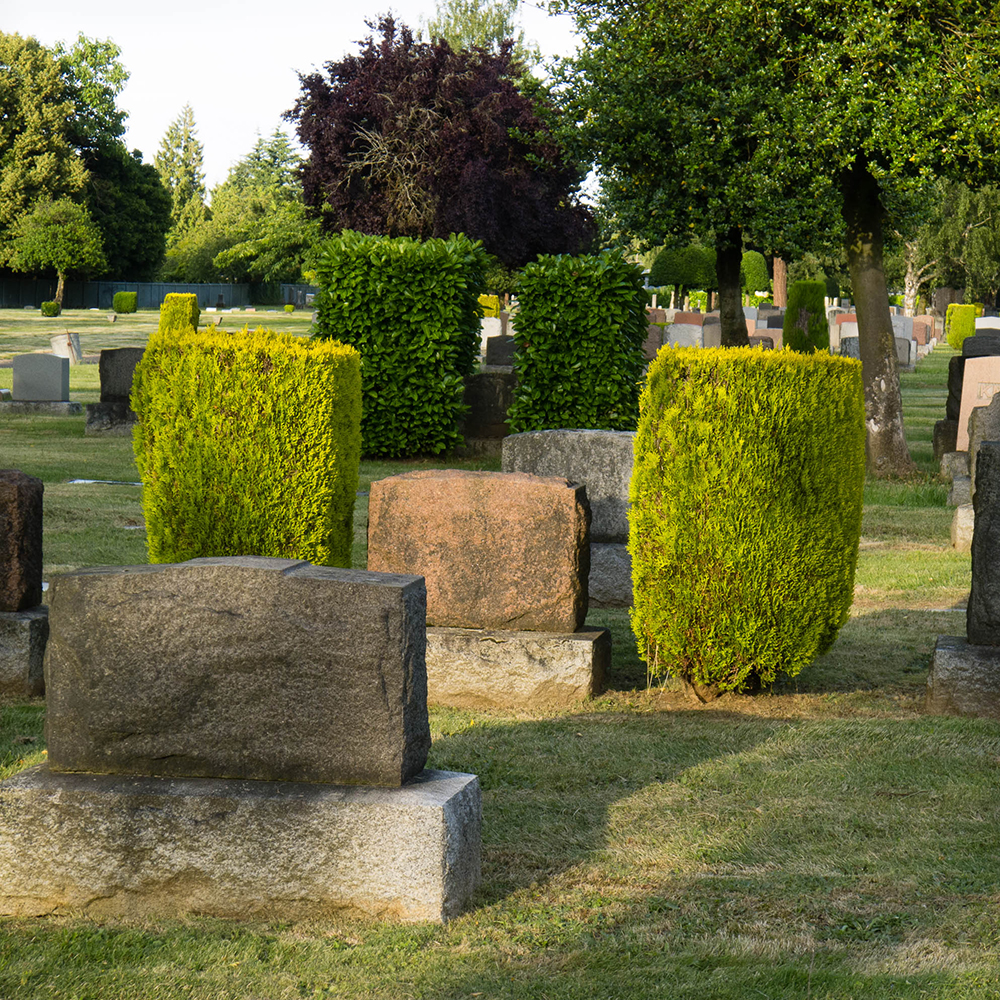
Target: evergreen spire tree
179,162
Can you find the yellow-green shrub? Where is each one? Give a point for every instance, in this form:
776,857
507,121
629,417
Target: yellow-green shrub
248,444
491,305
179,313
746,512
959,323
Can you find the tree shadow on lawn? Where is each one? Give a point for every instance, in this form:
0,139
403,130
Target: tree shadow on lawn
835,858
888,650
548,785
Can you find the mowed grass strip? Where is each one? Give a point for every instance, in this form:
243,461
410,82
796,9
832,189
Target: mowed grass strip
823,839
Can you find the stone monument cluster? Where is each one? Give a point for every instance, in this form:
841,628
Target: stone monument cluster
971,417
506,559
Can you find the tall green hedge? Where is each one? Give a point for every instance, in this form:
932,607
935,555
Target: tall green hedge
248,444
746,512
806,327
578,331
412,310
179,313
959,323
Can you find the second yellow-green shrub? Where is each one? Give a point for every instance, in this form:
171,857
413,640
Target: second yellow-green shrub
248,444
745,512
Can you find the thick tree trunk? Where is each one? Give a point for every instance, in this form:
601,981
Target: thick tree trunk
60,287
886,449
780,282
728,258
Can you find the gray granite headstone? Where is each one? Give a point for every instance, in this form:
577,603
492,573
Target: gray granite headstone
117,367
983,616
850,348
984,425
903,351
500,351
238,667
41,378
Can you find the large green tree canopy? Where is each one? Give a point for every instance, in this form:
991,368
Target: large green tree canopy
765,112
415,139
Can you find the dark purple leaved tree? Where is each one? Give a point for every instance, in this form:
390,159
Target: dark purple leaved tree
412,139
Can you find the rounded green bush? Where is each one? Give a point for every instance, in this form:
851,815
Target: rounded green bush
959,323
745,512
753,270
289,308
51,309
806,328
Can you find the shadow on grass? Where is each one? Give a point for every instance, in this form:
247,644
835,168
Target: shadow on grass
548,785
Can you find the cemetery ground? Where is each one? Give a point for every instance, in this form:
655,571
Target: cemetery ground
825,839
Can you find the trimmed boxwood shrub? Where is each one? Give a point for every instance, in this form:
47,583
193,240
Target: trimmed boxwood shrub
179,313
578,334
490,305
248,445
753,272
745,512
411,308
806,328
959,323
51,309
125,302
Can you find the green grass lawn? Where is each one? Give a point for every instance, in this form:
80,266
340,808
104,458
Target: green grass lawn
821,840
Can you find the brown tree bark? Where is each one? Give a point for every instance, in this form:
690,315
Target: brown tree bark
60,287
885,447
728,258
780,283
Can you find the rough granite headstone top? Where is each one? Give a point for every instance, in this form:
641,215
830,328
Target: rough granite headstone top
117,367
498,550
239,667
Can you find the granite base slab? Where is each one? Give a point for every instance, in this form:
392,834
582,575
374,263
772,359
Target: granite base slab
493,668
964,679
106,845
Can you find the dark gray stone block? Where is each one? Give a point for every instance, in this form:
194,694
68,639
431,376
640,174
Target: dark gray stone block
945,438
954,463
500,351
984,425
489,394
964,679
23,635
775,321
117,366
960,492
983,616
110,418
601,460
242,667
610,584
956,372
20,540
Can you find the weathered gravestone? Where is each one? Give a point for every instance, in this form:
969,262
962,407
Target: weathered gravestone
987,323
41,378
965,673
980,380
489,394
257,661
114,414
850,348
23,621
169,686
711,331
903,356
602,461
684,330
656,324
962,525
765,343
496,550
954,463
500,351
506,559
